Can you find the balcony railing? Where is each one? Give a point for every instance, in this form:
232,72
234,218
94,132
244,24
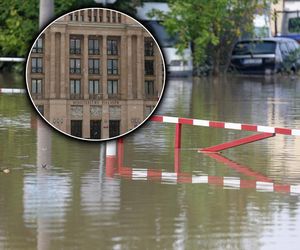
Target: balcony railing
75,71
94,71
94,51
36,69
75,51
37,50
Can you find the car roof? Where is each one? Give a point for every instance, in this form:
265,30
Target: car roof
269,39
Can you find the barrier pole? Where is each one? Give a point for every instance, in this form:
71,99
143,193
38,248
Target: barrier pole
177,165
235,143
111,157
120,153
178,135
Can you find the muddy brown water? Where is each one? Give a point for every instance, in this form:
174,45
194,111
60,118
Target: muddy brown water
74,203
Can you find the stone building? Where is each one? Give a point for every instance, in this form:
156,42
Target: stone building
95,73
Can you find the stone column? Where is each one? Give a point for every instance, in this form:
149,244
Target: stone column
129,67
85,16
86,121
52,65
140,66
46,64
63,69
104,66
124,69
85,67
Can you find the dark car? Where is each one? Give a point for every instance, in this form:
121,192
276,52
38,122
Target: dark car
266,56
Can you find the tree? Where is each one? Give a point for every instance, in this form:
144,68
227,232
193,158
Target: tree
212,27
19,21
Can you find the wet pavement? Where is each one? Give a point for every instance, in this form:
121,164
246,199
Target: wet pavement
60,193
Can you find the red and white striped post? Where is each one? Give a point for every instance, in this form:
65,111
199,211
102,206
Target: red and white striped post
120,152
111,157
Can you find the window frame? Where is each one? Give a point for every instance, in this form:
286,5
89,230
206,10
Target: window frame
93,69
76,69
149,71
112,66
38,45
112,47
75,45
37,65
112,85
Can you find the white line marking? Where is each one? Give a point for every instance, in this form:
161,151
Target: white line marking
295,131
199,179
203,123
295,189
170,119
231,181
265,129
230,125
264,186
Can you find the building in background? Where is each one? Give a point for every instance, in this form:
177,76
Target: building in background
95,73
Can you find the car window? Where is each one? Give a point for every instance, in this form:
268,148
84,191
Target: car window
254,47
283,48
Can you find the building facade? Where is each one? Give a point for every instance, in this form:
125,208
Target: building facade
95,73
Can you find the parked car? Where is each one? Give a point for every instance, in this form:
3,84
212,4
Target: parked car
266,56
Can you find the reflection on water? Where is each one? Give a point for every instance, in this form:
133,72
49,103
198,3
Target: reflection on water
60,196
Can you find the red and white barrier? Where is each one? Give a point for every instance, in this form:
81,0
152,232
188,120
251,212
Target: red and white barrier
266,131
226,182
225,125
12,91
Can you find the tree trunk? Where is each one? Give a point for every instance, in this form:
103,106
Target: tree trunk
216,61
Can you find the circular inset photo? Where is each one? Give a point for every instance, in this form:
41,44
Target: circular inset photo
95,74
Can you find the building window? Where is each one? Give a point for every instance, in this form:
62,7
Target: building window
112,47
36,65
93,87
112,87
149,47
75,66
149,67
114,128
95,129
76,128
36,86
75,46
149,88
93,66
94,47
38,46
75,89
112,66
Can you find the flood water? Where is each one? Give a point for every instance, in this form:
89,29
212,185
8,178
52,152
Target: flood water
61,193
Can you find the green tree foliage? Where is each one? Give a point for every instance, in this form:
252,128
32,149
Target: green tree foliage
19,21
212,27
19,26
